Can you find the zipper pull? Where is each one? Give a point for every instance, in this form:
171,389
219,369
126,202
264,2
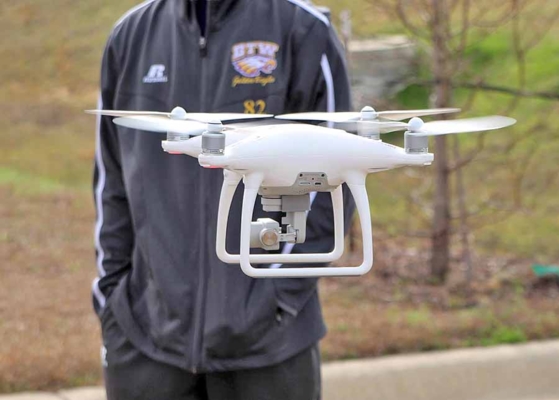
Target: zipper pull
203,46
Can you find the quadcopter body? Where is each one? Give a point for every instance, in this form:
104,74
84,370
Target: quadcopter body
288,163
282,152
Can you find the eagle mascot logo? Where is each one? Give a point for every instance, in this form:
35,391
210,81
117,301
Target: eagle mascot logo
250,59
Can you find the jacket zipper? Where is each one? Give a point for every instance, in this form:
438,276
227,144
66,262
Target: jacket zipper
197,347
203,49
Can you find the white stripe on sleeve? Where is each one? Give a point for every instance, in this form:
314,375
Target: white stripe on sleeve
331,98
132,11
311,10
99,188
99,296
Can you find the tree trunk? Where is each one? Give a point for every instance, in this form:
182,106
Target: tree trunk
464,229
440,236
440,239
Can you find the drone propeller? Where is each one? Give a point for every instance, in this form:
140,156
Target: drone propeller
416,138
366,114
178,124
154,123
180,114
419,128
373,126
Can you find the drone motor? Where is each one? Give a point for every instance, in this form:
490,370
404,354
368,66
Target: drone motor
213,139
371,131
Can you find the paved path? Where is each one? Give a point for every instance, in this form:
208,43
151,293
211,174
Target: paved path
518,372
89,393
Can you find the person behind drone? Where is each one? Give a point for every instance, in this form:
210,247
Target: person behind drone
177,323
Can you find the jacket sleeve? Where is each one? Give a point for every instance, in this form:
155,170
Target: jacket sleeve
319,80
320,83
113,229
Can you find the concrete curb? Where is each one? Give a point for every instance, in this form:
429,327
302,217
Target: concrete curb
85,393
526,371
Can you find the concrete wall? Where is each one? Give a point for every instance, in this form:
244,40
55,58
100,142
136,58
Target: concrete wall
380,67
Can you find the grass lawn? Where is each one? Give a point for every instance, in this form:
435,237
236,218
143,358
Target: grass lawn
49,337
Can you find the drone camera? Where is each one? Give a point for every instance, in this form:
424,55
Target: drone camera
265,234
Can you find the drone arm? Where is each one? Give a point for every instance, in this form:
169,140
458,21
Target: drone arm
357,187
230,183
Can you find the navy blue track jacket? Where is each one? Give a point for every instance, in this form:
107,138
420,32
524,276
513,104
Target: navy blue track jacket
156,213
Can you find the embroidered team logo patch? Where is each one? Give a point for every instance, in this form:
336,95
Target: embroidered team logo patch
255,62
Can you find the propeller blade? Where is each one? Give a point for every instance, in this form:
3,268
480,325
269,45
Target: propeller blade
383,126
356,116
406,114
119,113
180,114
161,124
208,117
322,116
464,125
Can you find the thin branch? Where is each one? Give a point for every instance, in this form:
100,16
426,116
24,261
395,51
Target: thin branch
520,56
493,219
465,29
461,162
402,15
547,24
414,200
385,6
523,166
508,15
499,89
511,91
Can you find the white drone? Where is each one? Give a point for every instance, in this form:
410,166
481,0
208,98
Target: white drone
288,163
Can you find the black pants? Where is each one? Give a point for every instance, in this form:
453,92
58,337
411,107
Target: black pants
129,374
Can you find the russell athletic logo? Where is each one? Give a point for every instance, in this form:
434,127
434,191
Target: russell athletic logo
156,74
251,60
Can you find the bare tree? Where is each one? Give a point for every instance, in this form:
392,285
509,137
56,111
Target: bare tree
447,29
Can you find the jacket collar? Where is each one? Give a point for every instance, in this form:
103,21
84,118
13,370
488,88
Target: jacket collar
218,11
